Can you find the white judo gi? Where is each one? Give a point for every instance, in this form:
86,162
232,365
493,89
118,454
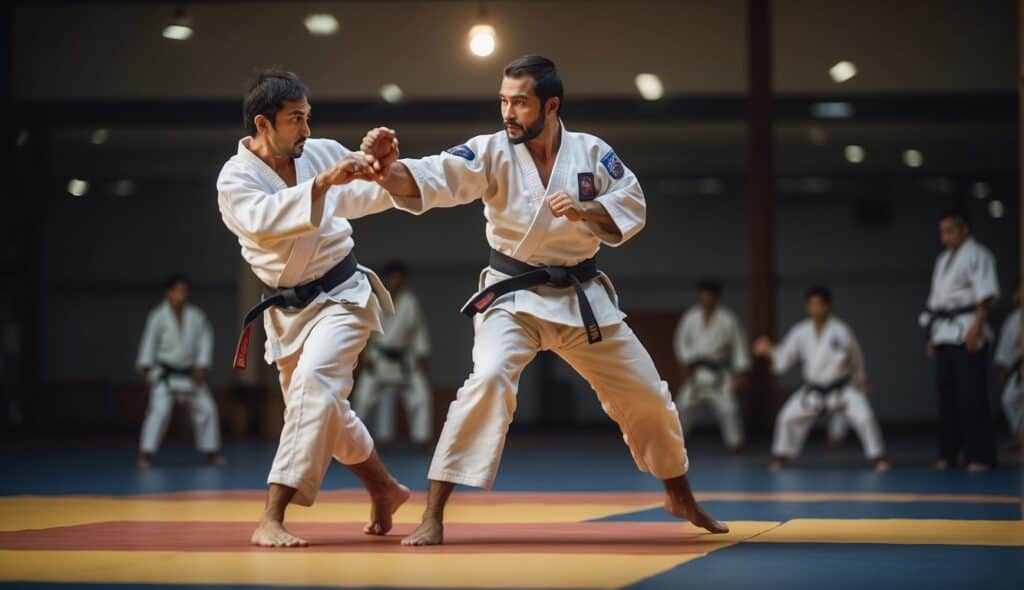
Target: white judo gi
715,351
828,358
288,240
962,280
184,345
519,324
394,371
1008,356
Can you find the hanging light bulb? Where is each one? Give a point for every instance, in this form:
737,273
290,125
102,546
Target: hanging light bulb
180,28
482,36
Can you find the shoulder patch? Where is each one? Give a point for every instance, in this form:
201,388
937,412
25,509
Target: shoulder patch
462,151
612,163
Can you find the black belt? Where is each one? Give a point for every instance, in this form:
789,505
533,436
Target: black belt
167,370
394,354
524,276
828,387
716,367
294,298
945,314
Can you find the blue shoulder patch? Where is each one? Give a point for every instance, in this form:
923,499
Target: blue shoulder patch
462,151
613,164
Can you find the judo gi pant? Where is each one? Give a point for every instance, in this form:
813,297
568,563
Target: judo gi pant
374,394
618,368
205,421
722,400
965,421
319,423
800,411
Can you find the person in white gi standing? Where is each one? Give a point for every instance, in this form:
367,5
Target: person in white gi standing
288,198
551,198
1008,361
835,380
395,366
964,287
712,351
175,355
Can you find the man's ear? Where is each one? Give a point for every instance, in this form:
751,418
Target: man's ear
551,106
261,122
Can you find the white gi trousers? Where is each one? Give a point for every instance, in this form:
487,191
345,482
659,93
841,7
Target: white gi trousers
205,420
319,423
376,394
1013,402
703,386
618,368
798,415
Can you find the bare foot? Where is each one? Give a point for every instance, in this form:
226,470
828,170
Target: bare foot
941,465
882,465
978,467
777,464
692,511
384,505
737,450
216,459
144,461
430,532
679,502
271,533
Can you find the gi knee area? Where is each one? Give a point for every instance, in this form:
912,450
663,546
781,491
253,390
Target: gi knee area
491,386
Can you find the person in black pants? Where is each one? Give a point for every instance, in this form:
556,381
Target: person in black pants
964,286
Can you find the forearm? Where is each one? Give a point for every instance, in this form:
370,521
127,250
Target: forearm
594,212
981,312
399,182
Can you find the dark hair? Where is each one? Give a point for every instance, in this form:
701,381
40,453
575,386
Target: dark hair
266,95
709,285
546,81
958,215
178,277
395,266
819,291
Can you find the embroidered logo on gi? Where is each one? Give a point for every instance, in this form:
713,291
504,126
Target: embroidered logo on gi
836,344
586,185
484,301
613,164
462,151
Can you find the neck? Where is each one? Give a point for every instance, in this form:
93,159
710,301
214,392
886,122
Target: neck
820,323
544,147
265,152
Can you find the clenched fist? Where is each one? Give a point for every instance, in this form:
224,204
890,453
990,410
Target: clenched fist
380,146
562,205
352,167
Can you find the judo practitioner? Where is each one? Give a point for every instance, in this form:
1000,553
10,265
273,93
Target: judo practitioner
174,358
712,351
551,197
835,380
288,198
964,287
1008,361
396,367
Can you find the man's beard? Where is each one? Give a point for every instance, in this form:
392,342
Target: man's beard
531,132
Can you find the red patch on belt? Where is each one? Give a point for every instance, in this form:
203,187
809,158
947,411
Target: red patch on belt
484,301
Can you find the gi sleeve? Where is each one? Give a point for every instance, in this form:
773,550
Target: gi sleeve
456,176
258,215
620,193
147,346
204,356
681,342
787,353
984,281
357,198
857,367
